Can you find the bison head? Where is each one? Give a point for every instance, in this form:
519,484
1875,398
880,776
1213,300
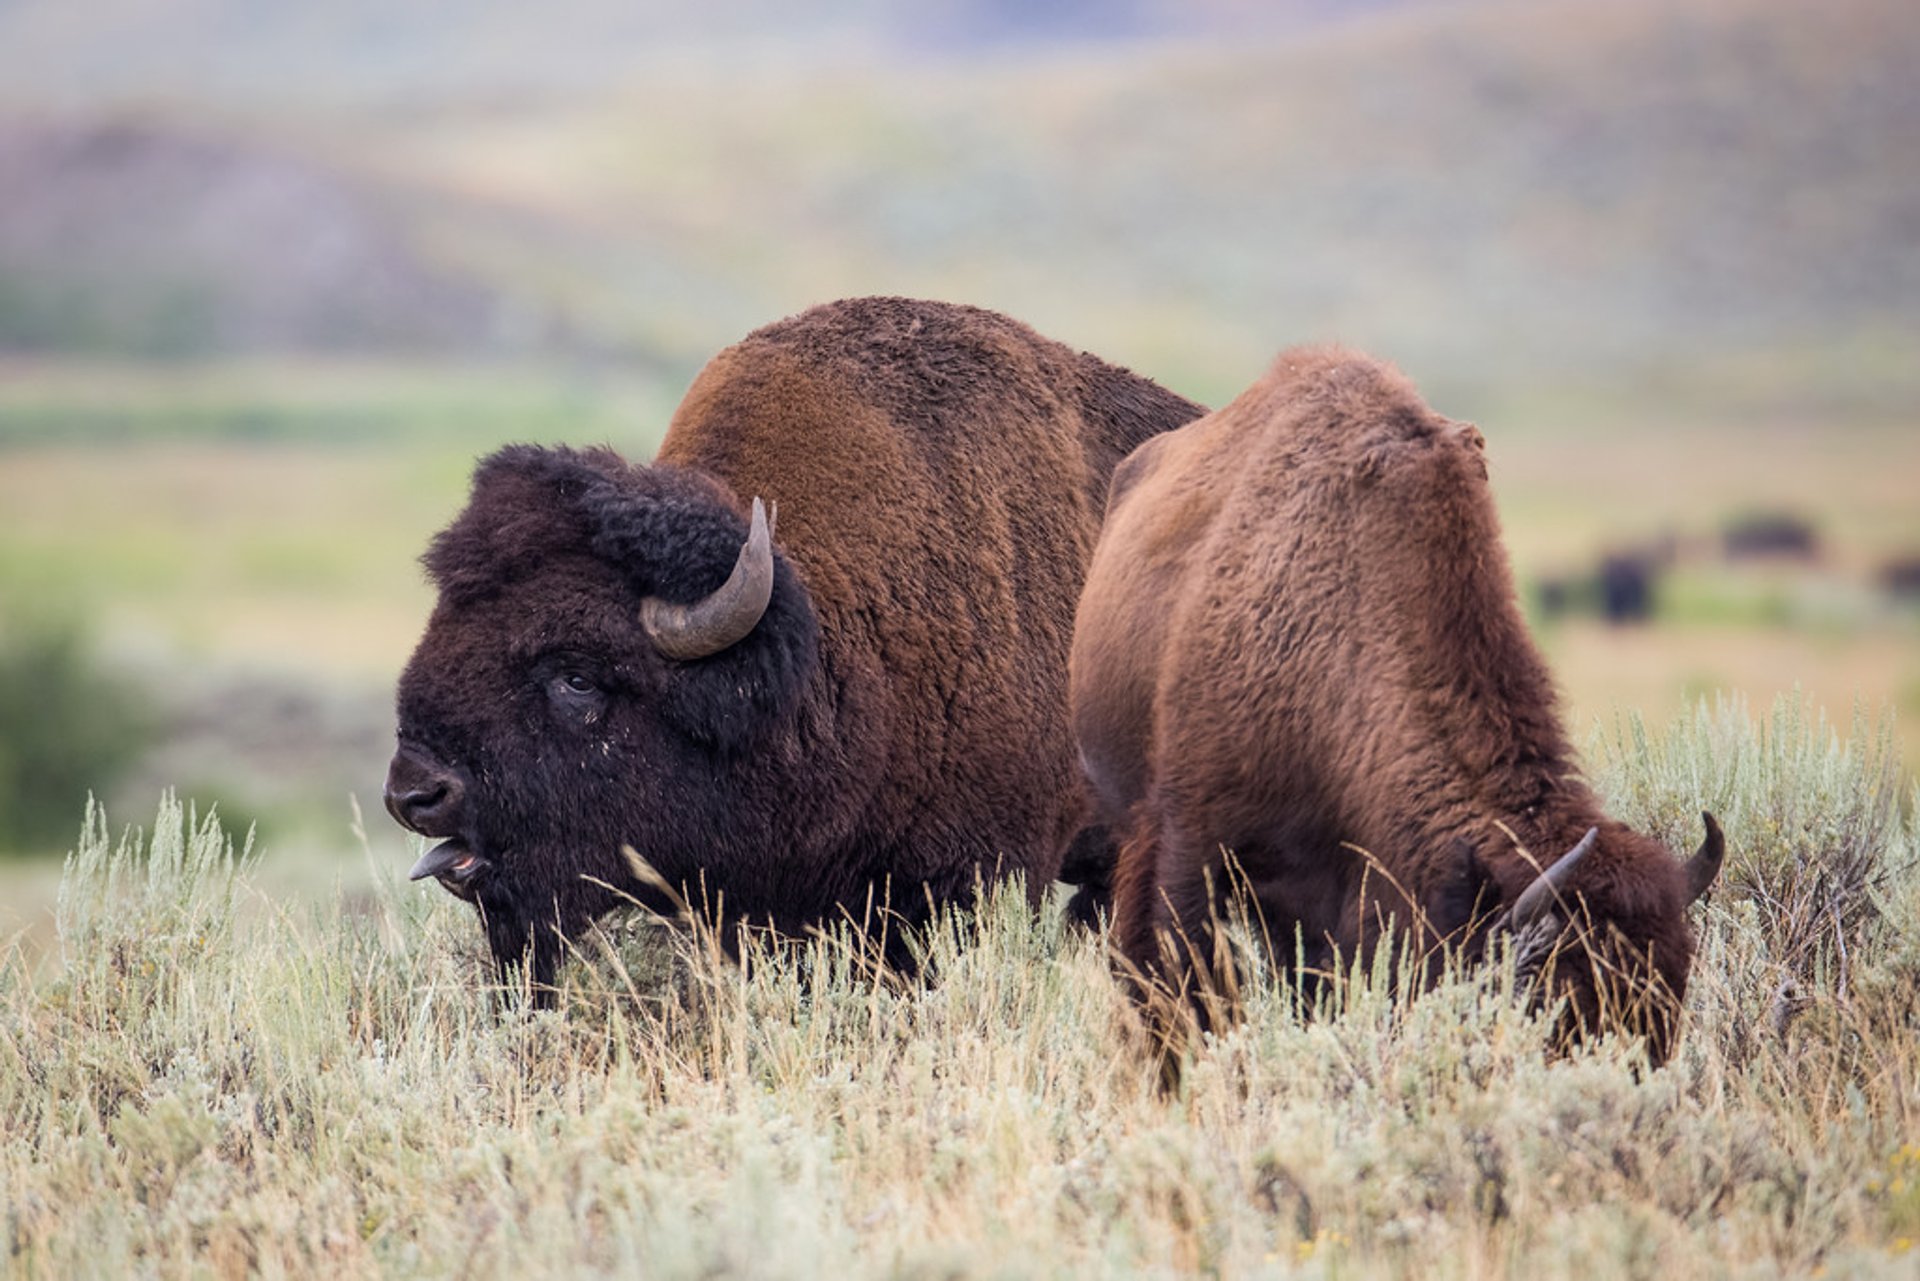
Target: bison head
1610,934
615,653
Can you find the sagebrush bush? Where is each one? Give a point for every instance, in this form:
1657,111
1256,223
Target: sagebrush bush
203,1081
1821,843
68,727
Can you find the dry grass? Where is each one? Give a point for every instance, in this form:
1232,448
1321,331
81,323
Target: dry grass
202,1081
1661,671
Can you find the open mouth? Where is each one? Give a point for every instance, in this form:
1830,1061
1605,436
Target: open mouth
454,865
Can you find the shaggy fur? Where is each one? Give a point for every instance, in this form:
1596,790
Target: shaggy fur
894,727
1299,641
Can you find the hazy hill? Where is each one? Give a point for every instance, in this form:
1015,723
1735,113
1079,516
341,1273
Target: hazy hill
128,238
1600,191
342,50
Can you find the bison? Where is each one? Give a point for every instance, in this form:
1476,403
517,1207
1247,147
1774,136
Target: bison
1299,643
812,659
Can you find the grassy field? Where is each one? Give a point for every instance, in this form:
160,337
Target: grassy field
235,529
267,513
252,506
1569,489
1484,191
201,1078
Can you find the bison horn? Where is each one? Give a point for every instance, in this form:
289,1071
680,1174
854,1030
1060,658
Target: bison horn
711,624
1704,866
1540,895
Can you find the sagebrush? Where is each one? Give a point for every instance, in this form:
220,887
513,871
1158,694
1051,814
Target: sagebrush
203,1081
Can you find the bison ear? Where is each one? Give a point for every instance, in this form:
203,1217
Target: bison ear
677,537
725,616
1379,460
1469,435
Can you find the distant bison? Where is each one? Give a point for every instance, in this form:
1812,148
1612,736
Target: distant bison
1900,577
1770,535
1627,586
1299,642
853,697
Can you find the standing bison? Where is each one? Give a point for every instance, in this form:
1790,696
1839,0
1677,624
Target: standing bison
813,658
1298,642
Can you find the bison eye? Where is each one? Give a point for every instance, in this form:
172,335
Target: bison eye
576,692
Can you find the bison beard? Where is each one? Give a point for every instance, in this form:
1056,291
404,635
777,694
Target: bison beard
865,702
1299,643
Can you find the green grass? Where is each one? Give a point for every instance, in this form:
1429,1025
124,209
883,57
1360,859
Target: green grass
200,1079
286,500
211,564
54,402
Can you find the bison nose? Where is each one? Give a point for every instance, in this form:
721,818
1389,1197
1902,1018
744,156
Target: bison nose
424,795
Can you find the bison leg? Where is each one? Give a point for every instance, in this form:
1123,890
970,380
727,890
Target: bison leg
1089,868
1165,913
524,952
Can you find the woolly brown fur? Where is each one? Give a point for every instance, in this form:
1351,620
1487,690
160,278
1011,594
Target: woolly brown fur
893,728
1299,642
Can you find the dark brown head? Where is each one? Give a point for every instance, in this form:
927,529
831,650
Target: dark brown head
1605,925
612,650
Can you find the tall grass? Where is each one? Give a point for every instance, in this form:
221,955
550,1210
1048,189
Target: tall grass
203,1081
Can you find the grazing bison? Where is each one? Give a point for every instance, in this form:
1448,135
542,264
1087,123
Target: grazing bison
852,696
1299,641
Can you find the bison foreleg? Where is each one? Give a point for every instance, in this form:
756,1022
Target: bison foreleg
526,954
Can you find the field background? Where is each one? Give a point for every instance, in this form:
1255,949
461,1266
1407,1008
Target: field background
270,280
273,276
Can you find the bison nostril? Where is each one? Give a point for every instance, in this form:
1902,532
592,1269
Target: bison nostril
422,803
425,800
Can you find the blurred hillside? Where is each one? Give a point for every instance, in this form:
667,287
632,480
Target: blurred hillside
1561,192
272,274
281,51
134,239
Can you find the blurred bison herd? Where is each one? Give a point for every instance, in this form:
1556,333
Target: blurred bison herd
1623,584
913,599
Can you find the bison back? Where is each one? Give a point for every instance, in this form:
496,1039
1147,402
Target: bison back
940,475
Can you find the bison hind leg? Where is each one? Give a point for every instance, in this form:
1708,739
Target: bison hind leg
1169,940
1089,867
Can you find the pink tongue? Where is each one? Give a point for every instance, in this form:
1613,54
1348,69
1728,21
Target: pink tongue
465,861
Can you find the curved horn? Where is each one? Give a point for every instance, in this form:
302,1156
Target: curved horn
707,626
1704,866
1540,895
